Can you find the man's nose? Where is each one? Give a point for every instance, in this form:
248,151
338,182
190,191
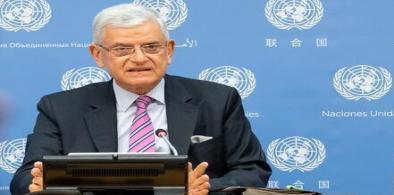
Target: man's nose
138,56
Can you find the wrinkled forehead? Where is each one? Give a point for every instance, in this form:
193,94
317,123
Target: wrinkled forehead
147,28
149,31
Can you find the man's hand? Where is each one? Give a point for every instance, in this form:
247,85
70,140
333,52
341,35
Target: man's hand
36,172
198,180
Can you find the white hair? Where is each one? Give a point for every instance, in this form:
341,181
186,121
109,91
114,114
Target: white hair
124,16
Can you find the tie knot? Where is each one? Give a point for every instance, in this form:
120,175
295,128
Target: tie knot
143,101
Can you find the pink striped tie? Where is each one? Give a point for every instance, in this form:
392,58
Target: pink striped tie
142,137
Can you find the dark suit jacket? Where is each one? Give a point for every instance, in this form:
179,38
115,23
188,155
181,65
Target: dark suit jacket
84,120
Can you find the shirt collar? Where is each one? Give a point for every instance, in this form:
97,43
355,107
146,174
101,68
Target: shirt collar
124,98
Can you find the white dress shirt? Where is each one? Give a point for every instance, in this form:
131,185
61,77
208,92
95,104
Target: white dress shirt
126,110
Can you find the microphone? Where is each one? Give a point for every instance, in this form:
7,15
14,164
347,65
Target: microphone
162,134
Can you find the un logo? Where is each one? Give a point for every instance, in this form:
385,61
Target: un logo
173,12
294,153
241,79
362,81
29,15
12,154
288,14
84,76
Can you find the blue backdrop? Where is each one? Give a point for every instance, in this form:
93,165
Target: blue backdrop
315,77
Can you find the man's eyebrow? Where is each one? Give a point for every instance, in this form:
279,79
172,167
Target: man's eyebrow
130,45
120,45
151,43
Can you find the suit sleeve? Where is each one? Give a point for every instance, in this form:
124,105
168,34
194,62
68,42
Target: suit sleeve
243,154
45,140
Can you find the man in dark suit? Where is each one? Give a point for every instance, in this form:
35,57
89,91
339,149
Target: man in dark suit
204,120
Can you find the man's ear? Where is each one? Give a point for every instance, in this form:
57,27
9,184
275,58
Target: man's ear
170,50
96,53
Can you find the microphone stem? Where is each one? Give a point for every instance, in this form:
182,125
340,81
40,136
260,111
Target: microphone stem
171,146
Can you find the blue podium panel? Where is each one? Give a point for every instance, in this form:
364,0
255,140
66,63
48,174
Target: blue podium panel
315,77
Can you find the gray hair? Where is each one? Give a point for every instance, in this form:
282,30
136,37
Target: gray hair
124,16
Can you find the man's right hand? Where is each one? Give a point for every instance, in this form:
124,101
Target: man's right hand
36,183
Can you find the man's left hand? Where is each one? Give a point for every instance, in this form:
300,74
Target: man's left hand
198,180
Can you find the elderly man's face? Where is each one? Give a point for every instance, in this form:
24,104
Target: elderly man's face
141,70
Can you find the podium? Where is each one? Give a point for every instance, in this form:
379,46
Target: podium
114,174
106,192
125,174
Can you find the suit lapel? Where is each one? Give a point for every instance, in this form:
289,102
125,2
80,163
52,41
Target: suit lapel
181,114
101,119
